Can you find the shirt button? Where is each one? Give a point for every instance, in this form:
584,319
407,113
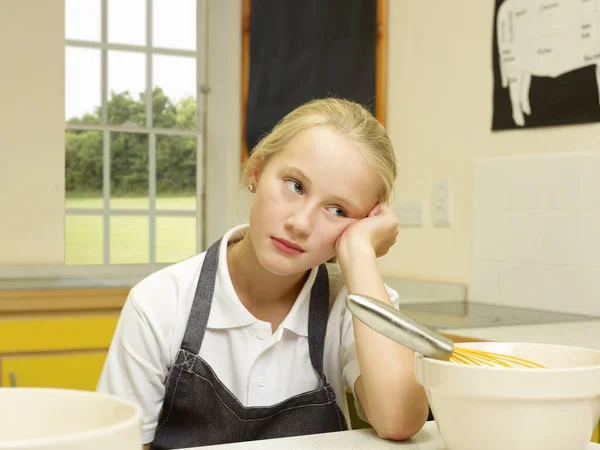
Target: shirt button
262,334
262,381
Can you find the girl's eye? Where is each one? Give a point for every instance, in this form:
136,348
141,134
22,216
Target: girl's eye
294,186
337,211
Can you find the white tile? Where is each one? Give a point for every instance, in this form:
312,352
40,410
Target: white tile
536,232
509,236
558,237
485,241
553,181
571,290
553,288
563,237
485,283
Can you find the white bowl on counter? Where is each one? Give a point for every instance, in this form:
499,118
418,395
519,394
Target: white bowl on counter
60,419
495,408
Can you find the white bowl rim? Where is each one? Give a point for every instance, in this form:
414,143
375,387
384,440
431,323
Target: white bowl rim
513,369
64,439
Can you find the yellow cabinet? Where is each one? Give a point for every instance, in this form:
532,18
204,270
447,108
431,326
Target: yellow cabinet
56,338
77,370
66,331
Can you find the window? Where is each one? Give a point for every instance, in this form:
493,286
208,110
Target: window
133,133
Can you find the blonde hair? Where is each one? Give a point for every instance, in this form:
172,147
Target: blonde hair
345,117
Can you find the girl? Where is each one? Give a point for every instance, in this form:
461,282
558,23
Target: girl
252,339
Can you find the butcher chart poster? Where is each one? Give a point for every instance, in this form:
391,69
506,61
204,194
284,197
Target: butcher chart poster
546,56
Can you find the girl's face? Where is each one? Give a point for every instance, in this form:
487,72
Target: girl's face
306,196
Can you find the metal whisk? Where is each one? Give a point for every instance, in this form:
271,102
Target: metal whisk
390,322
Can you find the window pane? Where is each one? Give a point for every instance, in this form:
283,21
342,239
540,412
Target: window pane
129,242
82,85
84,202
82,20
129,170
175,238
175,78
127,22
174,24
83,168
83,240
127,86
176,172
132,202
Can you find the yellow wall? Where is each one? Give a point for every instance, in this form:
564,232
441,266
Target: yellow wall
439,118
31,132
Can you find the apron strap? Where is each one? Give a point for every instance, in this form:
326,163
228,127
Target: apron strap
318,315
196,325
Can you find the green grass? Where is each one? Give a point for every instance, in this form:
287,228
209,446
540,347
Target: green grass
188,203
129,236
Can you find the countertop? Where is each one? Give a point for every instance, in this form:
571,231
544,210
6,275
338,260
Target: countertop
577,334
471,314
426,439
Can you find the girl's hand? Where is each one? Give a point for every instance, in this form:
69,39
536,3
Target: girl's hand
375,234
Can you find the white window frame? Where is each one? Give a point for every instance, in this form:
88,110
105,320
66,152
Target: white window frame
106,212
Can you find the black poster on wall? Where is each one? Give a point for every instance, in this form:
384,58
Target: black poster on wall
301,50
545,62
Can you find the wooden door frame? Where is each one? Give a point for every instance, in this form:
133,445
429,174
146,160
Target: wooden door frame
380,67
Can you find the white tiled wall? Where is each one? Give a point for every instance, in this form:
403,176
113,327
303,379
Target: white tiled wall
536,232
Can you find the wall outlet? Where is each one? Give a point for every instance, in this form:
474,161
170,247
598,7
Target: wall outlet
441,204
409,213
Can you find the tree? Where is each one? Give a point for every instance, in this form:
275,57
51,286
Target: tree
175,155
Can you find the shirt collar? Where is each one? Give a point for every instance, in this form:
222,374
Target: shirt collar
227,310
297,319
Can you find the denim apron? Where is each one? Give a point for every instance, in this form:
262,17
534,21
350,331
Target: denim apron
198,409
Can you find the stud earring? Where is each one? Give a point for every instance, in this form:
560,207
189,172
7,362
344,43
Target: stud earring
251,187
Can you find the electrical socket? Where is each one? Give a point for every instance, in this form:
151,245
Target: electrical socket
441,204
409,213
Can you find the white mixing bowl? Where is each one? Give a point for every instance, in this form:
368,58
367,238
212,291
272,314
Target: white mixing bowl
59,419
487,408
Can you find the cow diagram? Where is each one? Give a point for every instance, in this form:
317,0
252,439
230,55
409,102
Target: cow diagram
545,38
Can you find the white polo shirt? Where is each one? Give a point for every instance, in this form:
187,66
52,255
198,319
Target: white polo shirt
259,367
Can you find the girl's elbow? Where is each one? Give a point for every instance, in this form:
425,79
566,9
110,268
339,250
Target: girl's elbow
396,432
400,428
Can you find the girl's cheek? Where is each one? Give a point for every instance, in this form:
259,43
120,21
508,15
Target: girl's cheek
343,228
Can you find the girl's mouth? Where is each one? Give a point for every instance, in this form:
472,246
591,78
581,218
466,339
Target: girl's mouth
287,247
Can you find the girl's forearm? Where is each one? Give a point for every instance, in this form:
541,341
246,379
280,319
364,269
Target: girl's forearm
395,404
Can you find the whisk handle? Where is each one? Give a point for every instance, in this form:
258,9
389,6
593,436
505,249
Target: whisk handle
390,322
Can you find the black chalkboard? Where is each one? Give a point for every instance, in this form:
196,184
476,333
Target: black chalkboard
301,50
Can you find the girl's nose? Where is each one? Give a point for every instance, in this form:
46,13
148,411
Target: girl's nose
300,221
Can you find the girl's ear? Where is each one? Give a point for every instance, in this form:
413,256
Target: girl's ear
253,177
255,171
